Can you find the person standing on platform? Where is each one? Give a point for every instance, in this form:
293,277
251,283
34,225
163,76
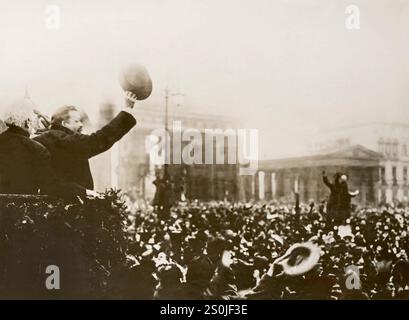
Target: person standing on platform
339,202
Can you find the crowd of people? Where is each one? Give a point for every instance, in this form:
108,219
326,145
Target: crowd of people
216,250
229,251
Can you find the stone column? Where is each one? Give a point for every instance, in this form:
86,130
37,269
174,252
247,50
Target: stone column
273,185
212,182
288,186
302,186
313,185
255,186
267,186
261,185
389,182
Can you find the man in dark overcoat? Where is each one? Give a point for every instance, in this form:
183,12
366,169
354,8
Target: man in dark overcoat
71,150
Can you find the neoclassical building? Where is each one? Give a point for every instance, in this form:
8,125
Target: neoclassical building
280,178
389,139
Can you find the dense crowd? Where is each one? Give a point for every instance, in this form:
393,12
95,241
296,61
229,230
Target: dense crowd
227,251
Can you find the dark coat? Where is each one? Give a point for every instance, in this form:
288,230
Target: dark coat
339,202
25,167
223,284
333,201
71,151
345,201
199,273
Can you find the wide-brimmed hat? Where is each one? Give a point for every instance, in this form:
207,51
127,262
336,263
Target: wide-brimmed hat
300,258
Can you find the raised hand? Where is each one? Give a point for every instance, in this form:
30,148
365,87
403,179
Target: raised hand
130,99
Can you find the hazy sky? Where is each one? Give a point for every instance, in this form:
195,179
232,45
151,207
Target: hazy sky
287,67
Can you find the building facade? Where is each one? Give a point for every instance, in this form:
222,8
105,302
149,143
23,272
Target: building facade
389,139
279,179
129,166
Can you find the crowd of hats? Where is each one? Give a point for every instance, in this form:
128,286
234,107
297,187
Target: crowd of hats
223,250
106,248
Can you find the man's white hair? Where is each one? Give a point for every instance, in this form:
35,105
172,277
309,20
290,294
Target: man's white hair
18,113
344,177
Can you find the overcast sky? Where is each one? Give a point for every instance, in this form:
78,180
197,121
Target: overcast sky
286,67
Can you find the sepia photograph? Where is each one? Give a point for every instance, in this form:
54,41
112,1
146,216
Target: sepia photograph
216,150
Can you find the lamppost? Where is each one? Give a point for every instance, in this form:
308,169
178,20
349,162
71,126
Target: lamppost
168,95
164,191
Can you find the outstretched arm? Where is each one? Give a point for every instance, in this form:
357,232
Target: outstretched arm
100,141
325,180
